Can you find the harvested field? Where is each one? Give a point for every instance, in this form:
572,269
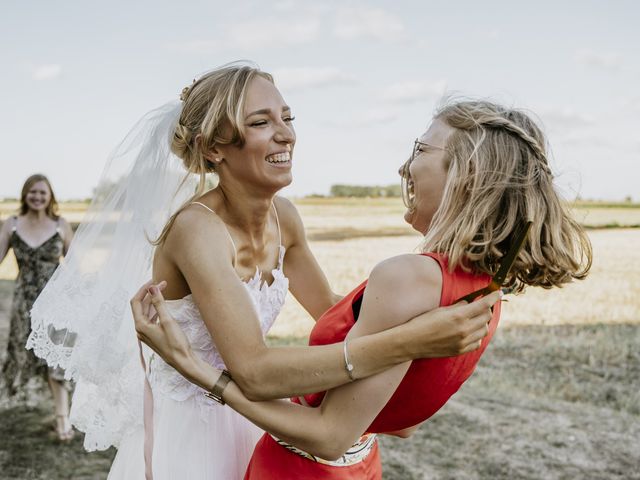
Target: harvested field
556,396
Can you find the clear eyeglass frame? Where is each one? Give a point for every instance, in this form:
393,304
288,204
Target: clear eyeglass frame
407,184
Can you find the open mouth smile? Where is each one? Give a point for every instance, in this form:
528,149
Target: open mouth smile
279,158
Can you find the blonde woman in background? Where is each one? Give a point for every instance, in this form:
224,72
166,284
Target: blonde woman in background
39,237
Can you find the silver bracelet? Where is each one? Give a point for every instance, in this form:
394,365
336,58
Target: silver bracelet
347,364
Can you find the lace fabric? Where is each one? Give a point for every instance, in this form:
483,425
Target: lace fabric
82,321
267,301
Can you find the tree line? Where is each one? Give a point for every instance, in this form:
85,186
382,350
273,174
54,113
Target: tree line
341,190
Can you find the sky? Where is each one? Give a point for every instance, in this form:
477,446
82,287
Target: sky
362,77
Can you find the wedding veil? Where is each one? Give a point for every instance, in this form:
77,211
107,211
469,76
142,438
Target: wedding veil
82,321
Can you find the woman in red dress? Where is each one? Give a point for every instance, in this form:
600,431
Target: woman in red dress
475,177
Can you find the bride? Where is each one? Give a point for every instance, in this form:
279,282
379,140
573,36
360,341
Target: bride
229,255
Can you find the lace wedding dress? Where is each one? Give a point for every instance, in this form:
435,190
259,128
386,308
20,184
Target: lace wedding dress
193,437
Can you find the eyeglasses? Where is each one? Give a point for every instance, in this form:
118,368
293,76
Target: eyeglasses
407,184
417,145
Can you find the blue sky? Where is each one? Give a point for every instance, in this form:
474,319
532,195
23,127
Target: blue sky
362,78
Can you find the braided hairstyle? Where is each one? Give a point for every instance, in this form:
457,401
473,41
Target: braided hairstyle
498,179
212,114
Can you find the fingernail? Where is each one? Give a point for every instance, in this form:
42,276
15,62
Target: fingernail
153,290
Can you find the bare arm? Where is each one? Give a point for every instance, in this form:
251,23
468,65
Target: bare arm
232,321
263,372
5,233
205,260
346,411
307,281
67,235
398,290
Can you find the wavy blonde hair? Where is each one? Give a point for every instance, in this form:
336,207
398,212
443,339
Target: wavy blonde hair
212,114
498,179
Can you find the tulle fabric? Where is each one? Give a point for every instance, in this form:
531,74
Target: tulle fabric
188,446
81,321
195,438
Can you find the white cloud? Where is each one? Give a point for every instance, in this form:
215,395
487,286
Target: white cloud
367,118
270,32
359,22
196,46
564,119
413,91
47,72
604,60
284,5
299,78
586,141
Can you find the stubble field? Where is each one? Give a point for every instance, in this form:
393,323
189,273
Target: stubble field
557,395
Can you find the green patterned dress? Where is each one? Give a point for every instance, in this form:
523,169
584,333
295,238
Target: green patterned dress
36,266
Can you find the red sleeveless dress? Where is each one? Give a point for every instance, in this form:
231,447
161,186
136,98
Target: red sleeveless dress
425,388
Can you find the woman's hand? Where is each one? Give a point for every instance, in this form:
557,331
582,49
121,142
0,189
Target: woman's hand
158,329
453,330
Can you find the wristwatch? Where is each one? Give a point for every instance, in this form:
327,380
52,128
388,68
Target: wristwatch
216,391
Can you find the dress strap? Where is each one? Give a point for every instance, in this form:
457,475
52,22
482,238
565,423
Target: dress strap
280,246
58,229
233,244
275,210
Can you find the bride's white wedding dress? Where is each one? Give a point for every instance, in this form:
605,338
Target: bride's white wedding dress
195,438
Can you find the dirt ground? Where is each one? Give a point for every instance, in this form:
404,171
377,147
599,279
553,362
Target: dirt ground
547,402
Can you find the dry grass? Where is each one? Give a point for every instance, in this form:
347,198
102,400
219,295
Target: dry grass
595,217
556,395
608,295
72,211
546,402
349,236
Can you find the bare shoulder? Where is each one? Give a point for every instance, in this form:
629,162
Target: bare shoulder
196,229
64,224
7,226
290,221
408,270
402,287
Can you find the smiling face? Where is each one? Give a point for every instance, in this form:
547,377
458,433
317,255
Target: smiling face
38,196
427,175
264,160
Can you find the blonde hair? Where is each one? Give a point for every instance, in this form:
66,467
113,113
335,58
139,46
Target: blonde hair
498,178
212,114
52,208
